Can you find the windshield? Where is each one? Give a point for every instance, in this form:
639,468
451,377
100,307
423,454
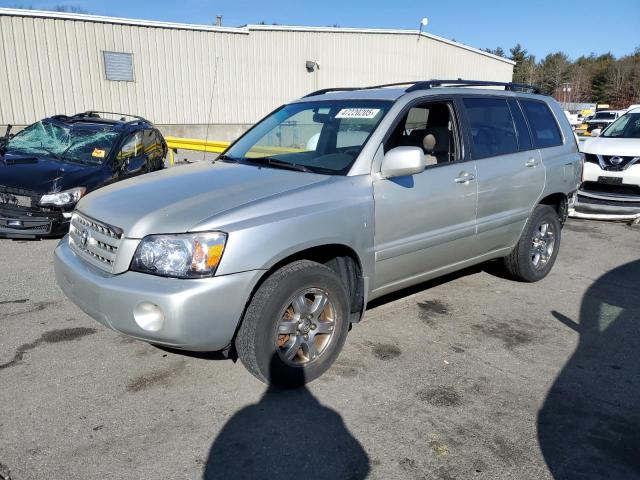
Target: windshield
75,144
322,137
627,126
605,116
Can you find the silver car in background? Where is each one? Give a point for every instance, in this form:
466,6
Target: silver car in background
272,252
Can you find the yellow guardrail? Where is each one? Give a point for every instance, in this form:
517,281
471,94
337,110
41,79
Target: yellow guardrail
213,146
210,146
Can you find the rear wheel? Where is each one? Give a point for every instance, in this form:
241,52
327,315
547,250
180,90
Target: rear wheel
536,252
295,325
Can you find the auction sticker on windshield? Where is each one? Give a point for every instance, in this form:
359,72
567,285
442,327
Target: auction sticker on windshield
98,153
358,113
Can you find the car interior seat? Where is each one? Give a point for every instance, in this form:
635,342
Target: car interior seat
436,144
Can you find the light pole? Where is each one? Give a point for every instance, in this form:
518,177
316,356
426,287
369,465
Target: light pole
423,23
566,88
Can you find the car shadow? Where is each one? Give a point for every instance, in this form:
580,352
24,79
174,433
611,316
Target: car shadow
405,292
287,434
589,424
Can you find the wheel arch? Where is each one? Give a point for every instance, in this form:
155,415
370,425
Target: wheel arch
559,202
340,258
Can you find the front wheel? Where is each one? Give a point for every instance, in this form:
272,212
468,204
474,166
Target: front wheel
536,251
295,325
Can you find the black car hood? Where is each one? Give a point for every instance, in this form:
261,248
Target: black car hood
44,175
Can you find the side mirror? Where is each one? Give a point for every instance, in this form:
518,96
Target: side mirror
402,161
596,132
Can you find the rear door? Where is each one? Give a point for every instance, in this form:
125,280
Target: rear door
511,175
153,150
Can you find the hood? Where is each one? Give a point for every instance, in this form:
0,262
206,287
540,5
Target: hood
624,147
175,200
41,174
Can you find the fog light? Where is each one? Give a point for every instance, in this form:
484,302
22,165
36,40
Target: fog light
148,316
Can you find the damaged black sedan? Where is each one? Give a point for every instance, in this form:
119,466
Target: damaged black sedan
47,167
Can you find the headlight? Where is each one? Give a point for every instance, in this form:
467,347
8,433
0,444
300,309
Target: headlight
60,199
192,255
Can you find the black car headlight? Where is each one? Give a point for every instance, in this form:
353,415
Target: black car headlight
190,255
61,199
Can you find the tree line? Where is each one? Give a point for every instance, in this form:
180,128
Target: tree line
591,79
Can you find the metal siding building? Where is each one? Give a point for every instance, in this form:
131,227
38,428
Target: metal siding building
188,76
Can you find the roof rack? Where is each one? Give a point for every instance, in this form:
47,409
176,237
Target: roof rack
427,84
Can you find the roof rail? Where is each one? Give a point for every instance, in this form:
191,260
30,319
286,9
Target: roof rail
94,113
514,87
427,84
350,89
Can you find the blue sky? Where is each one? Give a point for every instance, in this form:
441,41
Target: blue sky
542,26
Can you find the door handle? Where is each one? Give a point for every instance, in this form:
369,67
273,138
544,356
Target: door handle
532,162
464,178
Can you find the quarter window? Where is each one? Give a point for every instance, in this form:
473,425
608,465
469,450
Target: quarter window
543,126
492,127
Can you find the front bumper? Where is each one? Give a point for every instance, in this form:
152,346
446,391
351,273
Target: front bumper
604,207
199,314
598,201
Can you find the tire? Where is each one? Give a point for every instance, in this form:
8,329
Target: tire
521,262
285,308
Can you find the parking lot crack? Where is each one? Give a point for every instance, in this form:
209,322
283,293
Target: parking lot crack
53,336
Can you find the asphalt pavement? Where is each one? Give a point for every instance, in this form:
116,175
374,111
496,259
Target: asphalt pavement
468,377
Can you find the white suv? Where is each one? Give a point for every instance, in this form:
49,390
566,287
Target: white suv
611,188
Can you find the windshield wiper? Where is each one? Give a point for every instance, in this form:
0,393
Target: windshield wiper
274,162
226,158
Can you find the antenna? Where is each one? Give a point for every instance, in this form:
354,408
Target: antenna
213,90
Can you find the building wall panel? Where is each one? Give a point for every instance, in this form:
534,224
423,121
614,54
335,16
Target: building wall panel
200,76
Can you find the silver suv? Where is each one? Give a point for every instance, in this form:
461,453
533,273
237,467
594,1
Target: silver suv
272,251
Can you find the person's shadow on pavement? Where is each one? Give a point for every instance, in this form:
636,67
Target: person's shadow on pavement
589,425
287,434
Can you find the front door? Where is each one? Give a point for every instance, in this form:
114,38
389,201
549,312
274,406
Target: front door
131,159
425,222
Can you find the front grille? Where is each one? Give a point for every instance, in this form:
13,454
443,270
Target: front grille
612,163
94,241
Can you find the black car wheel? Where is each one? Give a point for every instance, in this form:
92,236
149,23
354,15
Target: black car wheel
535,253
295,325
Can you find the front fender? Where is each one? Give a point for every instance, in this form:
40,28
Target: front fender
264,233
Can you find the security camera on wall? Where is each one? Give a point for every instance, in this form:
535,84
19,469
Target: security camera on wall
312,65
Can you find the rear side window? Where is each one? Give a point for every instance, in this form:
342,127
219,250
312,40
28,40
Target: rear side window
524,137
492,127
543,126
